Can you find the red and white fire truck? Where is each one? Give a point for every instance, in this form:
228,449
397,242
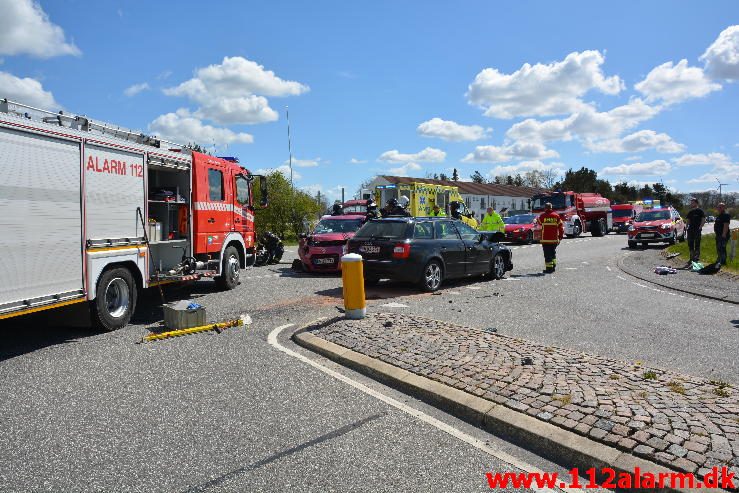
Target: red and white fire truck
581,212
94,213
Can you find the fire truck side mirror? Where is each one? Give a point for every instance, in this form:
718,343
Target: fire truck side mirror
264,199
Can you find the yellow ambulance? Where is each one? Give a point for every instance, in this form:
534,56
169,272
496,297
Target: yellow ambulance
423,196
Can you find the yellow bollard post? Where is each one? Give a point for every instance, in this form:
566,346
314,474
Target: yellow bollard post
352,277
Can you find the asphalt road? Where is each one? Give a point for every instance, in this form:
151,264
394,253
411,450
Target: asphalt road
230,412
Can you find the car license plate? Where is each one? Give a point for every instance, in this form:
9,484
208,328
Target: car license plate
647,235
328,260
369,249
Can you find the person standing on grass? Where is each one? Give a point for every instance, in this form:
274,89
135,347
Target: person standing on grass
721,228
696,220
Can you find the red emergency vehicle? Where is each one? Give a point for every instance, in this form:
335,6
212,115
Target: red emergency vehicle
94,213
623,216
581,212
321,249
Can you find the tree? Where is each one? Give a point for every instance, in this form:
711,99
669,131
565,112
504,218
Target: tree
582,180
534,178
549,179
498,180
443,176
509,180
477,177
455,175
518,180
288,210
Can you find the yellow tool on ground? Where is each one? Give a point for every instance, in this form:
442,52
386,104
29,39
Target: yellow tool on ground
219,327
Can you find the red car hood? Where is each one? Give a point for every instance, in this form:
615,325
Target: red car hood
510,228
332,236
658,222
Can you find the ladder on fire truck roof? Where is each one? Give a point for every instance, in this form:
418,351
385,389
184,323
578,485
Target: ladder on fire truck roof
83,123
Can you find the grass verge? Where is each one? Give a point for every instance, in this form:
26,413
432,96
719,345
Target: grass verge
708,252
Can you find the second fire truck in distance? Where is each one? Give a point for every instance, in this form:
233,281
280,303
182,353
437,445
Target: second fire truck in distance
581,212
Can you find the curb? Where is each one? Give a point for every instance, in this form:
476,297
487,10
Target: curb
559,445
623,269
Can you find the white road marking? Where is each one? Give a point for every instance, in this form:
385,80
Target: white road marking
570,268
622,278
608,268
440,425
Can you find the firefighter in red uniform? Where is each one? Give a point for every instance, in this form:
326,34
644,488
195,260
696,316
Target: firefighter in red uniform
552,231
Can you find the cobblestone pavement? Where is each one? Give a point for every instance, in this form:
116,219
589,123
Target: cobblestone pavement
687,423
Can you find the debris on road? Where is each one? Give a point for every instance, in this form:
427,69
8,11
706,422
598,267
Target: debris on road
663,270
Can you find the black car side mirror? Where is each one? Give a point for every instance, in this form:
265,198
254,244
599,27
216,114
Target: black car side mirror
481,238
497,237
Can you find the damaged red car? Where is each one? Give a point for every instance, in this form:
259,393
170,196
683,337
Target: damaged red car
321,249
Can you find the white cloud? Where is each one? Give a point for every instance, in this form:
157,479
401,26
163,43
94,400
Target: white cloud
542,90
657,167
517,150
304,163
405,170
428,155
27,91
714,158
247,110
182,127
357,161
728,173
133,90
284,169
674,83
586,124
449,130
636,142
632,158
722,57
234,78
523,167
26,29
233,91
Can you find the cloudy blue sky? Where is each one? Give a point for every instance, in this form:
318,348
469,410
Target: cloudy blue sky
639,91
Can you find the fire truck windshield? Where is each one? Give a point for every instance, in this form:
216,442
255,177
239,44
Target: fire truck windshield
557,200
622,212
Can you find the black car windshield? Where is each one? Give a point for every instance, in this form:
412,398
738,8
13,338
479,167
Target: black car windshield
520,219
653,216
383,229
557,200
622,212
337,226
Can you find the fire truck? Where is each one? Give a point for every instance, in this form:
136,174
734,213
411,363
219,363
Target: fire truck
93,213
581,212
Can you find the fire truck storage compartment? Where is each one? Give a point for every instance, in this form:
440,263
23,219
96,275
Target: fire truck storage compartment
168,201
41,220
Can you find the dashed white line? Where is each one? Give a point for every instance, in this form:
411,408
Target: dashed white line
430,420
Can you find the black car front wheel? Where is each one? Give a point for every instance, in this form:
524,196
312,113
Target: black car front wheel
433,275
497,266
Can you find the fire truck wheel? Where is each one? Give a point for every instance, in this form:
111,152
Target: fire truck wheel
115,301
230,270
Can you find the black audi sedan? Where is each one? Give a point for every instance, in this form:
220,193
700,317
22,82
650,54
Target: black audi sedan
427,251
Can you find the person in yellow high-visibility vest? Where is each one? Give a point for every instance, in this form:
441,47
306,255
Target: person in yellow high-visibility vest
492,221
